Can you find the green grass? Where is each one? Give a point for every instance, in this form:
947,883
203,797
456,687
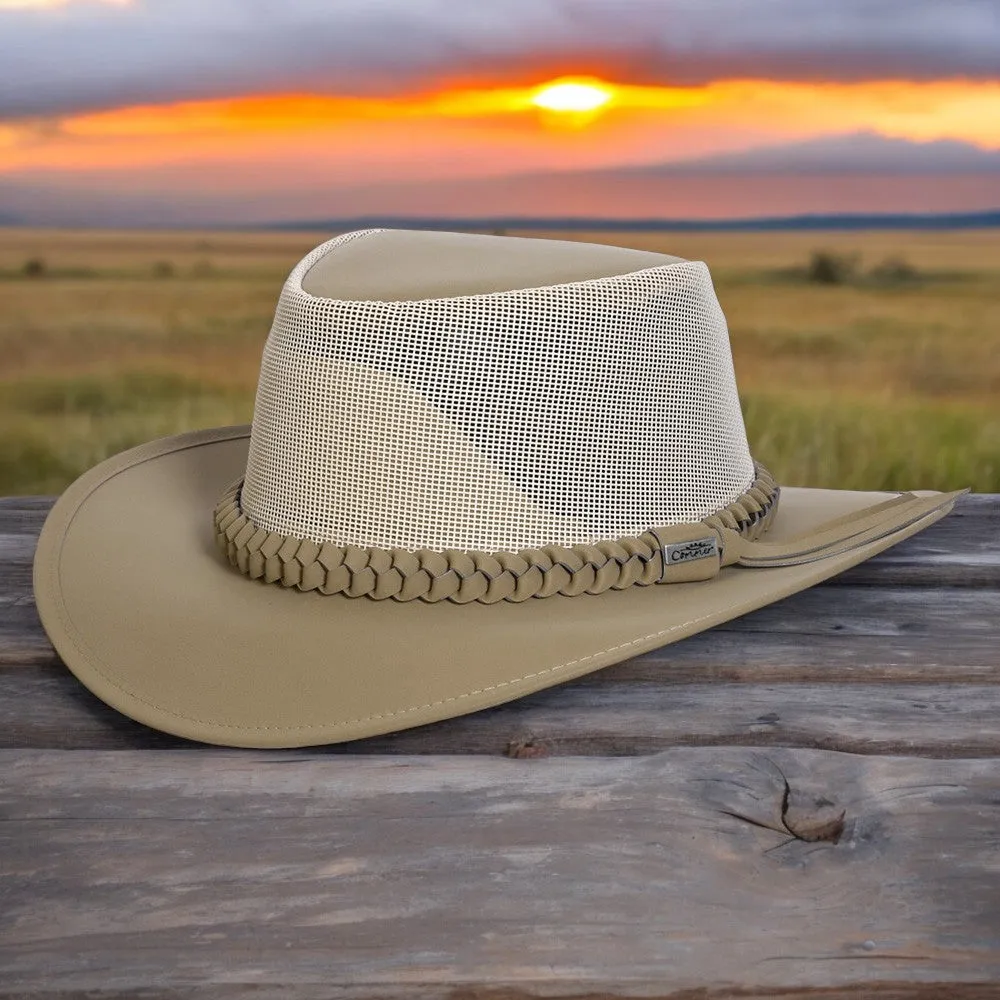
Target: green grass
853,444
889,379
124,395
57,428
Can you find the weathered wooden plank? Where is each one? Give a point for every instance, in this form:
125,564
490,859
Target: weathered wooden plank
16,553
717,655
540,990
946,623
752,656
961,550
840,607
43,709
33,509
692,869
934,619
826,637
878,611
534,991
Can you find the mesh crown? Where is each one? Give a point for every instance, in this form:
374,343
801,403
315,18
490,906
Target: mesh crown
562,414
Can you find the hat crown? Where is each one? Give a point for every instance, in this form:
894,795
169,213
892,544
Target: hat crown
564,394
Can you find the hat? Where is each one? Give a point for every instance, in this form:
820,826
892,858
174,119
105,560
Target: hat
478,466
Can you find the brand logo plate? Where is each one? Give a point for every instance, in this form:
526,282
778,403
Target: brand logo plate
698,548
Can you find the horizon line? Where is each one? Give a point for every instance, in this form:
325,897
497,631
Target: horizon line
813,220
984,219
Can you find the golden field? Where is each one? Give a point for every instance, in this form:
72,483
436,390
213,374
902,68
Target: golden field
889,379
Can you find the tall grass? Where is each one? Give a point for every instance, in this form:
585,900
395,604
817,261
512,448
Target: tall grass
887,379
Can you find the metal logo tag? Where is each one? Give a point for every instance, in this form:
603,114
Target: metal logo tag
699,548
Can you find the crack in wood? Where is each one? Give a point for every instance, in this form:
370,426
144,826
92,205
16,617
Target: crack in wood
808,826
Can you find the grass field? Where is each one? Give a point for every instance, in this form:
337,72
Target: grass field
889,379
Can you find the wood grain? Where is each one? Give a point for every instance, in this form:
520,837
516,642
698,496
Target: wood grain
642,876
801,803
47,709
961,550
890,668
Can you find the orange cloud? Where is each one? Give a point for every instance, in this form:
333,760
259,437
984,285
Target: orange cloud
504,124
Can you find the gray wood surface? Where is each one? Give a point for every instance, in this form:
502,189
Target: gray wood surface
39,708
801,803
556,876
884,659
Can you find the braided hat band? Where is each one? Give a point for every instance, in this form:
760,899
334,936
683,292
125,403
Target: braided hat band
678,553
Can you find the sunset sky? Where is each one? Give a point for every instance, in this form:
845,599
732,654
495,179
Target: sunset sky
177,111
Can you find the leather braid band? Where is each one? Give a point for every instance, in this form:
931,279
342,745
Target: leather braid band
676,553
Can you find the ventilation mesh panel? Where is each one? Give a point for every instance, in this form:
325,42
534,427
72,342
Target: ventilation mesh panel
556,415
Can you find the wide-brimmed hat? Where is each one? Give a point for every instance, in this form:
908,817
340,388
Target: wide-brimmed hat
478,466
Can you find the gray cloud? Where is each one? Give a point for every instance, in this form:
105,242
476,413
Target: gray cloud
91,56
854,153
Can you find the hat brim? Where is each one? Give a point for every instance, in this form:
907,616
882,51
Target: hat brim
146,612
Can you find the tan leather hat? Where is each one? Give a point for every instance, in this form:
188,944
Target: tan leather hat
478,467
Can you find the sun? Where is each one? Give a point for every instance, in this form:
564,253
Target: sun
571,95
